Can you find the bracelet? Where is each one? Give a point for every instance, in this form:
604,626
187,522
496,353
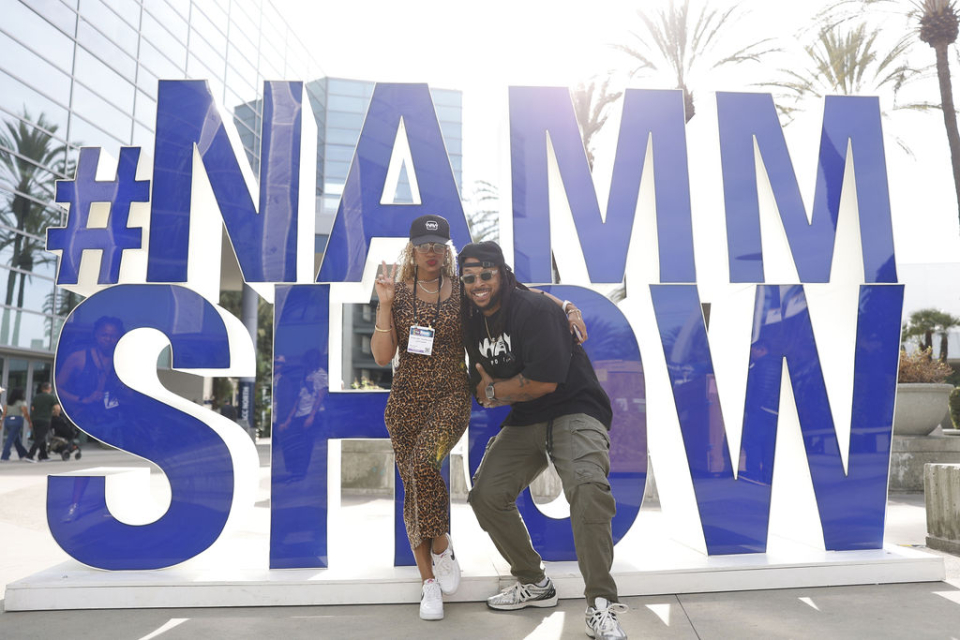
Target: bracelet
564,306
381,330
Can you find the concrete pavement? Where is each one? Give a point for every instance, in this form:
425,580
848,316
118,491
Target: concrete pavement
923,610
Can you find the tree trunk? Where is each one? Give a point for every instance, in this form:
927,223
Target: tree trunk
15,338
5,323
949,115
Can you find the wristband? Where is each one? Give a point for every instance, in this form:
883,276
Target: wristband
564,306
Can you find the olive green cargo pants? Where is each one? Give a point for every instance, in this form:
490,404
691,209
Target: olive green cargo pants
579,447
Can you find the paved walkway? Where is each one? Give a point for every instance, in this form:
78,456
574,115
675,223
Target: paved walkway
916,611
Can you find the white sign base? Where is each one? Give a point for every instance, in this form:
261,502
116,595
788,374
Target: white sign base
234,573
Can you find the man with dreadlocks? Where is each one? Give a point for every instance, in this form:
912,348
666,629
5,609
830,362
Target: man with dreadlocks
522,354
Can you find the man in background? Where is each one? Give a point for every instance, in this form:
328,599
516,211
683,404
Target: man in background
41,412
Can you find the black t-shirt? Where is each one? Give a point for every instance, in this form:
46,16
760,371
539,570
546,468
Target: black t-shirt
536,341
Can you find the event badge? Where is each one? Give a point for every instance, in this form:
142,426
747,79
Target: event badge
421,340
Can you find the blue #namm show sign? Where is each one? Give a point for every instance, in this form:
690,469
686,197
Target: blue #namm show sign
793,355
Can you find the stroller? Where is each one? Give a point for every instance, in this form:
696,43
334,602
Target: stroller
65,438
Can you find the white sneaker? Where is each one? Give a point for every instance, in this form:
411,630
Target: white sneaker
446,568
431,601
521,596
602,620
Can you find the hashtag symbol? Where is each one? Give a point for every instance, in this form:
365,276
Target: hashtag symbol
83,191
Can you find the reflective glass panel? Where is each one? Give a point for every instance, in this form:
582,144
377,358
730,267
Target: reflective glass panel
34,70
21,289
16,98
344,120
101,113
83,133
25,329
28,27
163,40
348,104
108,23
106,50
347,137
104,81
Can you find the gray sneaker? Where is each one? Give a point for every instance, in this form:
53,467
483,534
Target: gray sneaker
521,596
602,620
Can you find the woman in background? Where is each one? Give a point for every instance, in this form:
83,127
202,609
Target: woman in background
15,415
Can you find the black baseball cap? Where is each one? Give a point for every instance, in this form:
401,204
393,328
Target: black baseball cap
429,228
488,253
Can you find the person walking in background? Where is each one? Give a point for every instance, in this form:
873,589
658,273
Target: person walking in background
41,411
15,416
522,355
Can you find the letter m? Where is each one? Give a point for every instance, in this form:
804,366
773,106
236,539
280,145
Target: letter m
541,117
750,129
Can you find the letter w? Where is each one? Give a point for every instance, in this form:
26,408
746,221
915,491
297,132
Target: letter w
735,511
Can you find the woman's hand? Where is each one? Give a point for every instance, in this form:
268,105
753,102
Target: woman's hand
385,284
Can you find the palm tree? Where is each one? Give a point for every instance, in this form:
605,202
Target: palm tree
483,211
676,41
591,102
938,28
31,150
924,323
849,61
936,25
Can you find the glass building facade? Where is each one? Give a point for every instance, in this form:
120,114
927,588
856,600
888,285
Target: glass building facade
84,73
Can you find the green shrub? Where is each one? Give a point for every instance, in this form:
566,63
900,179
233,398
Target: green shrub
955,408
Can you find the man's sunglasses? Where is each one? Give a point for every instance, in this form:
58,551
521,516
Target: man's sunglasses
470,278
436,247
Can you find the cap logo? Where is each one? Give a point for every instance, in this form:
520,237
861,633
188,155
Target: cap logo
431,225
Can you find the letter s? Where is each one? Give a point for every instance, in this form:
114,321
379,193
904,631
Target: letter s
194,454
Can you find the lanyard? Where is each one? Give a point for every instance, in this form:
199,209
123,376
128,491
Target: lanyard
436,319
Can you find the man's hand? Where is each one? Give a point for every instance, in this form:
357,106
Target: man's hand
515,389
481,390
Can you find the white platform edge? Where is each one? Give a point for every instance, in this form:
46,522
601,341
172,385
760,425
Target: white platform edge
71,585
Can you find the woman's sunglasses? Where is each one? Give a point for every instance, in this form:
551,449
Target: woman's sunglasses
470,278
436,247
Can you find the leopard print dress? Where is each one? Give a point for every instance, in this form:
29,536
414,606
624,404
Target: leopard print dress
428,410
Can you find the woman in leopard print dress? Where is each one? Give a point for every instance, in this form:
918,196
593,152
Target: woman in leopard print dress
429,405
